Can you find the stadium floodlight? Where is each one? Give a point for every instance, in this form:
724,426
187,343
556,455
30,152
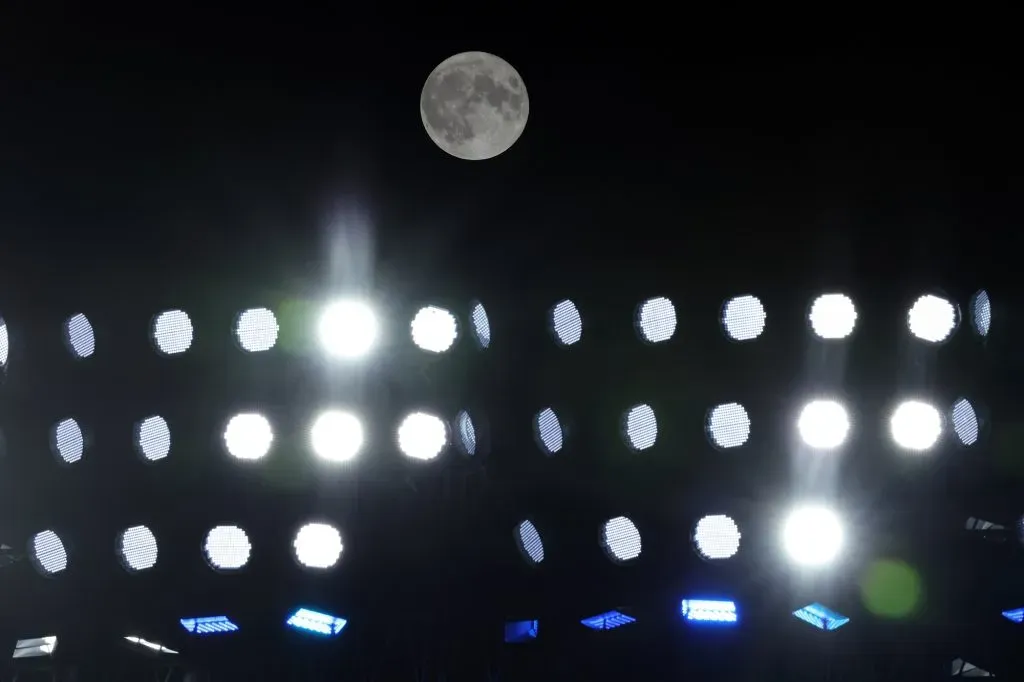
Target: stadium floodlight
832,316
608,620
422,436
620,540
823,424
317,623
566,323
1014,615
708,611
821,617
227,548
529,542
172,332
248,436
47,553
743,318
656,320
153,438
347,329
981,313
79,336
519,631
35,647
256,330
318,545
434,329
716,537
137,549
209,625
148,645
67,441
336,436
932,318
915,425
812,535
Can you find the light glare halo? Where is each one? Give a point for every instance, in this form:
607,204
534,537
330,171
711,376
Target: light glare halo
336,436
823,424
347,329
915,425
812,535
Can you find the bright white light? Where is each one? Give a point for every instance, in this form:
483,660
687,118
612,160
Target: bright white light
79,336
548,430
566,323
227,548
172,332
916,425
716,537
744,318
248,436
336,436
347,329
137,547
434,329
318,545
422,436
656,320
932,318
621,539
833,316
641,427
823,424
256,330
68,441
47,552
152,646
153,438
728,425
812,536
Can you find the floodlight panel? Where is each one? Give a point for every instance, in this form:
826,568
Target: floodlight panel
932,318
821,617
137,548
966,425
744,318
529,542
717,537
832,316
47,553
566,323
916,425
640,427
318,545
79,335
823,424
548,430
172,332
812,535
68,441
256,330
608,620
656,320
348,329
422,436
227,548
153,438
337,436
308,620
434,329
35,647
709,610
620,539
209,625
728,425
248,436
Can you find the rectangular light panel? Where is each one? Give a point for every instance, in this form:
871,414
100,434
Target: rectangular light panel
709,611
316,623
518,631
608,621
1016,615
35,647
209,625
821,617
146,644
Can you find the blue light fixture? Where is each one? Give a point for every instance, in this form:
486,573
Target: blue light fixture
821,617
709,611
209,625
1016,615
316,623
608,621
519,631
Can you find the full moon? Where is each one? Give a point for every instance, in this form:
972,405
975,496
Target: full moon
474,106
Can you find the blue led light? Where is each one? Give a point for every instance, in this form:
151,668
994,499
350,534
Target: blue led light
821,617
518,631
317,623
709,611
209,625
1016,615
608,621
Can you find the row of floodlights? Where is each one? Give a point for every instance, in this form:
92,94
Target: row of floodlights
339,436
319,545
350,328
811,536
696,611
